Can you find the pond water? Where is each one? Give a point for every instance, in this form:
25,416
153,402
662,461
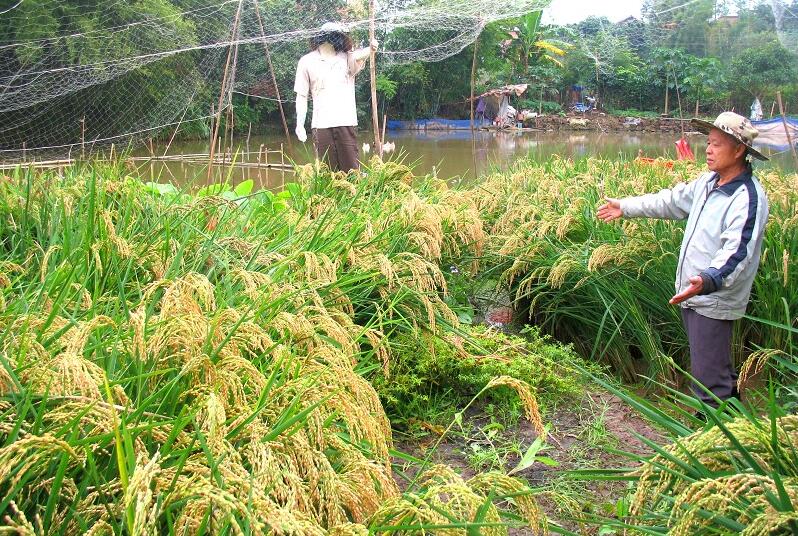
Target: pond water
448,154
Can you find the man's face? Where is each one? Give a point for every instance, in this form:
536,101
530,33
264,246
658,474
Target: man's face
723,151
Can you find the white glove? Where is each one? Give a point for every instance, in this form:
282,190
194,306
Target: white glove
301,114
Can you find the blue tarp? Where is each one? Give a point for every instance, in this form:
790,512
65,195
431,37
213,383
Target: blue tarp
772,134
435,124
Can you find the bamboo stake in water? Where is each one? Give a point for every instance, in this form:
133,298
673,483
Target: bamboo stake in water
375,121
787,128
223,90
274,78
83,138
473,80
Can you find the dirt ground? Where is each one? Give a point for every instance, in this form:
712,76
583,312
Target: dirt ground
599,121
579,436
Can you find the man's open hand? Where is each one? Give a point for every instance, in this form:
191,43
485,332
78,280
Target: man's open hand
611,210
695,288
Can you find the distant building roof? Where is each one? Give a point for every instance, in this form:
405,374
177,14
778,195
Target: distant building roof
728,19
627,20
514,89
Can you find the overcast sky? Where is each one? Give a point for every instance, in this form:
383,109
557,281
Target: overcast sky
569,11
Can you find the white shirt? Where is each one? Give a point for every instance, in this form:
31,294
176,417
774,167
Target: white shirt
330,82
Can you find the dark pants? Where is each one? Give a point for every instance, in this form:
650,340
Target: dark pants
710,356
338,147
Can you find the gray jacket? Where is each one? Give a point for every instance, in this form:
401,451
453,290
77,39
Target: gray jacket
722,240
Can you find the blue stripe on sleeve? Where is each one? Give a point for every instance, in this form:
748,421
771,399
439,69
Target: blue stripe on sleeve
746,234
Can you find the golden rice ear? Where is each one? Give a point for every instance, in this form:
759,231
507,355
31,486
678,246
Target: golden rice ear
100,528
722,496
140,496
756,363
46,261
564,266
192,293
714,451
528,400
122,246
493,483
28,457
69,373
16,521
349,529
439,496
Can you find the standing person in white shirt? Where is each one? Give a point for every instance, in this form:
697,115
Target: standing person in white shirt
327,75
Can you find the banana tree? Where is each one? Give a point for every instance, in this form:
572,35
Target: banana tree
529,42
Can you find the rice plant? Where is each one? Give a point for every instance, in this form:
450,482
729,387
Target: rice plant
735,474
177,363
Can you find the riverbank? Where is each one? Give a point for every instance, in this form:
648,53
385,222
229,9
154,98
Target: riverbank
588,121
602,122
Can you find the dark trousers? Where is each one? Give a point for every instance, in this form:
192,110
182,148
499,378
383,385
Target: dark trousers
710,356
338,147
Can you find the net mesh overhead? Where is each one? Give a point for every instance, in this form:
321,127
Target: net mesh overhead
122,71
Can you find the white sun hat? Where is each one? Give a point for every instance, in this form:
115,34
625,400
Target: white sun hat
334,27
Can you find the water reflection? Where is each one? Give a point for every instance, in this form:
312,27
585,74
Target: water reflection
447,154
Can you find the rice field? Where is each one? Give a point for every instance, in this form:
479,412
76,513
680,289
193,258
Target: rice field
199,362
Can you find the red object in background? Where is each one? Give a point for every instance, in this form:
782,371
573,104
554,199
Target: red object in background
683,150
500,315
655,162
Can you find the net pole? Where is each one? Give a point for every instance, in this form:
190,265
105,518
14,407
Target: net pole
375,120
274,77
234,33
473,79
679,100
786,128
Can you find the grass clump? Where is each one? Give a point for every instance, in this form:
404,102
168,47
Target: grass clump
431,377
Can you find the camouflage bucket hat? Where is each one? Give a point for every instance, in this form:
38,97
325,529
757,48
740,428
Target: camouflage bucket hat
736,126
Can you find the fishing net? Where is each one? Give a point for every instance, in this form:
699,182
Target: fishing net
786,19
80,75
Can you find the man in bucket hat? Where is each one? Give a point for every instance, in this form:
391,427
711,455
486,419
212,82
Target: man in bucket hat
726,211
327,75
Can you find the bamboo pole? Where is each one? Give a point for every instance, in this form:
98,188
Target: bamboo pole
83,138
223,89
274,78
179,123
787,128
473,79
375,120
666,94
231,109
772,108
679,100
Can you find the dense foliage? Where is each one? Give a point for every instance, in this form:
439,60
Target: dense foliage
694,55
